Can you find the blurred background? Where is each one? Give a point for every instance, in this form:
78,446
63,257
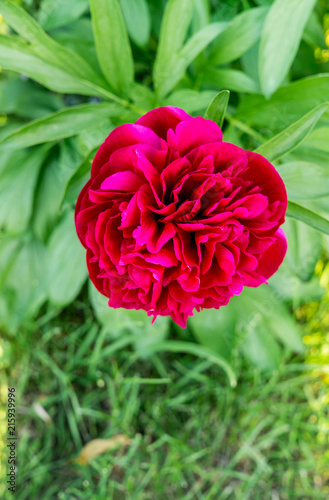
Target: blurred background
236,405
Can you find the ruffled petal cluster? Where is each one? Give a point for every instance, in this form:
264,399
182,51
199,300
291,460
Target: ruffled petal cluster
174,219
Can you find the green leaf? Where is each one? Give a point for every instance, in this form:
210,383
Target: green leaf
137,16
292,136
43,46
196,350
259,308
112,44
241,34
18,177
190,100
287,105
25,99
26,279
174,26
66,263
310,218
58,170
261,349
186,55
280,40
231,79
65,123
304,180
319,139
217,108
115,320
313,32
215,329
61,13
17,55
304,247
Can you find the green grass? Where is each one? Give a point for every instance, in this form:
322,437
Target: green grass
193,436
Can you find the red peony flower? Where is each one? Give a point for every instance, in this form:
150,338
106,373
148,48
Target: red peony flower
174,219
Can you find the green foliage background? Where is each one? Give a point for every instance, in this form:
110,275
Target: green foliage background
71,72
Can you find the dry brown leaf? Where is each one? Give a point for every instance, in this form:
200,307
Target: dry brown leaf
99,446
41,412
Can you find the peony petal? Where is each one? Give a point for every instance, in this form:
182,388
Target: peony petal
162,119
193,133
124,135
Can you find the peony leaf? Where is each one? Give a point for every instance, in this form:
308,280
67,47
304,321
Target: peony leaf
18,179
138,20
280,39
26,279
260,309
304,248
287,105
215,329
195,350
180,61
66,263
291,137
112,44
17,55
217,108
175,22
45,47
231,79
65,123
241,34
192,48
190,100
261,349
304,180
53,15
308,217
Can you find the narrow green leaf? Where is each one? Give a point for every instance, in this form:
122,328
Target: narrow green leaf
287,105
319,139
280,40
44,46
292,136
231,79
174,26
53,15
17,55
112,44
215,329
190,100
180,61
261,349
304,248
26,279
18,177
308,217
304,180
25,99
66,263
64,123
259,308
196,350
241,34
217,108
138,20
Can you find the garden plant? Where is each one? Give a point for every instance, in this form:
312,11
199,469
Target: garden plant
180,349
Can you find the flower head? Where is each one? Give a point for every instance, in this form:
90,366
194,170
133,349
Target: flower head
174,219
